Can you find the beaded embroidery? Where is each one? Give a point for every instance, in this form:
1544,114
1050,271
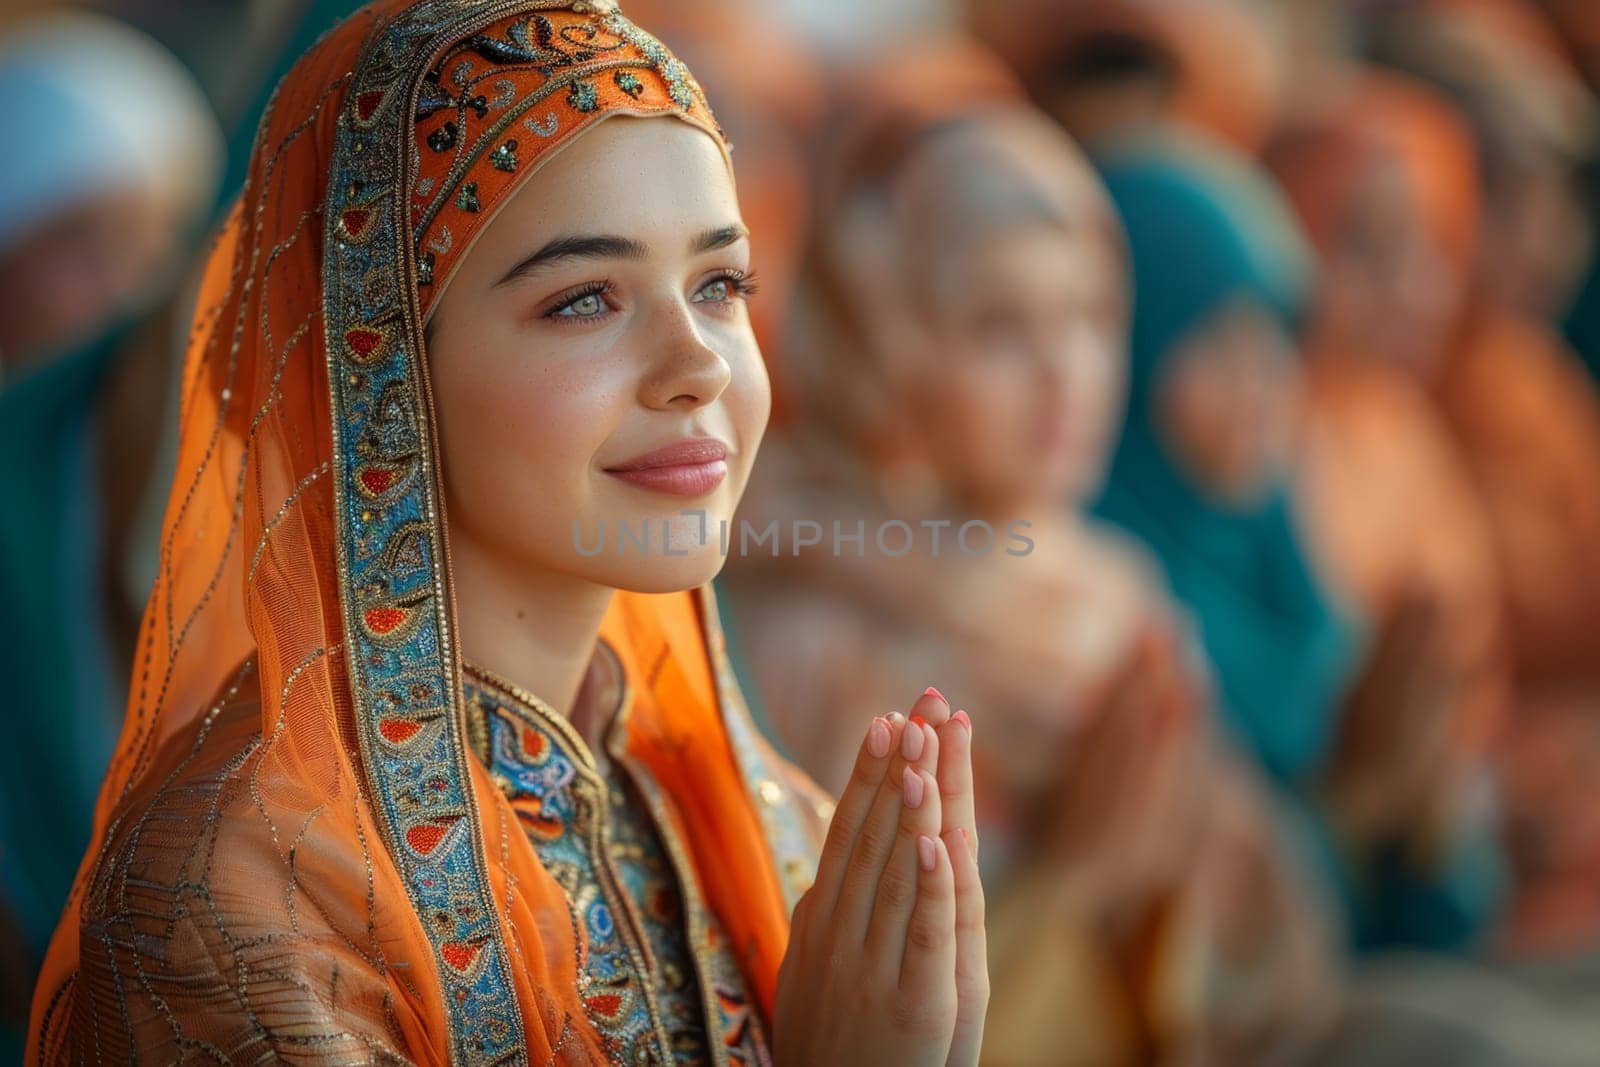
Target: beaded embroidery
469,100
388,229
640,979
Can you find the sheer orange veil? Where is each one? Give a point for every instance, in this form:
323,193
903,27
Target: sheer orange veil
305,533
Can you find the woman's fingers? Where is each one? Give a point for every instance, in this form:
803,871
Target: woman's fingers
874,760
955,776
878,751
919,750
931,707
927,992
898,886
972,951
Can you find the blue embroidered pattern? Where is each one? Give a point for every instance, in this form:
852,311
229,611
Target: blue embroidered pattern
397,624
642,981
395,618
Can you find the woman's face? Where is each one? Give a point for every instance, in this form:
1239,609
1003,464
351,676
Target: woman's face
1389,287
1537,235
74,272
1030,370
1226,402
1020,286
600,319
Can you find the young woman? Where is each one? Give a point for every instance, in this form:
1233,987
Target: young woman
960,355
483,295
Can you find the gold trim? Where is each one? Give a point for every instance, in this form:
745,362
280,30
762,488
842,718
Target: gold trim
697,935
538,713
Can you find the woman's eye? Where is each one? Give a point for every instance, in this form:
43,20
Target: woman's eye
585,307
717,291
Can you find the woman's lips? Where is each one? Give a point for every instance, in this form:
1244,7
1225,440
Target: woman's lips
689,468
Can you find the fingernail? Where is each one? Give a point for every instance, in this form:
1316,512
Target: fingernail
926,854
895,718
932,692
961,717
911,742
913,788
878,738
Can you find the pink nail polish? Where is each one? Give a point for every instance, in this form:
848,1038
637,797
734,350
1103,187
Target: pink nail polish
927,855
911,742
878,738
932,692
913,788
962,718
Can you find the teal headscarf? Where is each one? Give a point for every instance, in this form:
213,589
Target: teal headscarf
1205,231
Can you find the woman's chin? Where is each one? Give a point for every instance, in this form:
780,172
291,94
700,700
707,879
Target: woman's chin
656,573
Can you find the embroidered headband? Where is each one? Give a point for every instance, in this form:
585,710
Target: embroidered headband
506,99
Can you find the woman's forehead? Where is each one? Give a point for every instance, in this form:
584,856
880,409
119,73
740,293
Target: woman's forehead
628,175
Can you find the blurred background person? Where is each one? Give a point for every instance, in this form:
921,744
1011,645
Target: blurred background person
1578,23
114,148
113,158
1526,416
1384,176
960,359
1203,475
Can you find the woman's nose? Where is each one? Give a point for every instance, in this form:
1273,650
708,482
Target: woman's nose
684,369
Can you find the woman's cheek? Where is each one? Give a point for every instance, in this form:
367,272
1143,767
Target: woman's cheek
749,398
991,425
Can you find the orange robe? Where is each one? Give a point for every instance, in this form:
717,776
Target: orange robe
1392,513
1527,420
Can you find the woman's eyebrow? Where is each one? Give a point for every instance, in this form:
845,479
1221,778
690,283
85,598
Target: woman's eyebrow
579,247
721,237
606,246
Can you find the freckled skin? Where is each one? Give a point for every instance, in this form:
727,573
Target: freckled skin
533,406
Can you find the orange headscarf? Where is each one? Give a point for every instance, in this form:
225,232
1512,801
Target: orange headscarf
1393,118
879,116
1228,77
1520,24
306,530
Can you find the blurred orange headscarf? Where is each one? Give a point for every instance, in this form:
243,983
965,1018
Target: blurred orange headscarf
1391,118
306,532
879,115
1228,75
